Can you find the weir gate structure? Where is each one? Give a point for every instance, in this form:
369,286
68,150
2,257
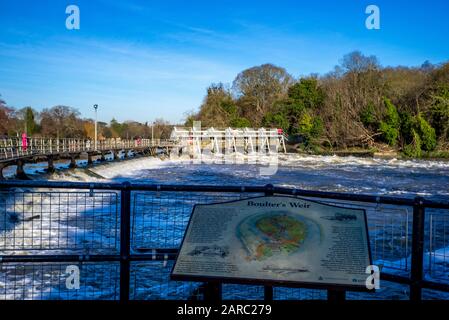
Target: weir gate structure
229,140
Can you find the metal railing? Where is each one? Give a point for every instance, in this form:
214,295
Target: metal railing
125,237
13,148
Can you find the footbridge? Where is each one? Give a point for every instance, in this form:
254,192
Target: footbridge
15,151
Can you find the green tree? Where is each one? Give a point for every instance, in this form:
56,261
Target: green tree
308,92
390,126
218,107
439,112
30,124
368,116
116,128
305,124
413,149
240,123
276,120
317,128
426,133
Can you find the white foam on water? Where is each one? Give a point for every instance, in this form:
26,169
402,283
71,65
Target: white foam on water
129,167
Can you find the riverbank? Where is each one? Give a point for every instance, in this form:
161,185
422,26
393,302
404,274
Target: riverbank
382,153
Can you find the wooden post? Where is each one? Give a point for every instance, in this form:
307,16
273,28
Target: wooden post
72,161
50,167
20,172
89,158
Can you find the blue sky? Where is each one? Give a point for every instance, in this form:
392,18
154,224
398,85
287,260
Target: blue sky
142,60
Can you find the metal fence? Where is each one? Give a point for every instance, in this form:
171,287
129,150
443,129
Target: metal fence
124,239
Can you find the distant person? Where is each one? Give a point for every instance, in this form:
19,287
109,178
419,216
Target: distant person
24,141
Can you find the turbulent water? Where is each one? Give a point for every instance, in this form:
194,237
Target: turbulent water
329,173
407,178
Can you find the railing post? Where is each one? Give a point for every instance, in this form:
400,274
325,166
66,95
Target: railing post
417,266
336,295
268,290
125,246
212,292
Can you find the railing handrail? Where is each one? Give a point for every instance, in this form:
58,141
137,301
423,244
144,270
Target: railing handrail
15,148
219,188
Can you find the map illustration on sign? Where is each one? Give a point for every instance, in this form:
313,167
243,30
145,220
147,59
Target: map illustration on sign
268,235
275,239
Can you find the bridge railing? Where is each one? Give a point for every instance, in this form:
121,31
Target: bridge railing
12,148
124,238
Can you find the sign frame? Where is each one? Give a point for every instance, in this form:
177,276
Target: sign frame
266,282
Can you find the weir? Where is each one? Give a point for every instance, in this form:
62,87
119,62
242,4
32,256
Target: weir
230,140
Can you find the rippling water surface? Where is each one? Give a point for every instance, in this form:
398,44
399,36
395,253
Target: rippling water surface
330,173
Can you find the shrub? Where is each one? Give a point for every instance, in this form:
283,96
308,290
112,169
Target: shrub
390,126
367,116
407,125
389,133
426,133
305,124
278,120
392,115
414,148
240,123
317,128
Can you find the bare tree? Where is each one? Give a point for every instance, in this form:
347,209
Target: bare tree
259,87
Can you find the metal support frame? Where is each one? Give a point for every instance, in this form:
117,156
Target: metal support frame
417,265
245,140
125,242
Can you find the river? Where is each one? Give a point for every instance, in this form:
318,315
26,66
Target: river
388,226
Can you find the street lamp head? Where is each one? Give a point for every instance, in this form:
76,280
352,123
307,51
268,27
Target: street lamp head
95,106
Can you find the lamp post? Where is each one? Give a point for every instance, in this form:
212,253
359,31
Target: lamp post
95,107
152,133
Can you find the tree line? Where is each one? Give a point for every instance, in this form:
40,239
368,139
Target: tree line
66,122
359,104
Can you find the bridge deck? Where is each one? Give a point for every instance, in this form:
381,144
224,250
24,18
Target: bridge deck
14,149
